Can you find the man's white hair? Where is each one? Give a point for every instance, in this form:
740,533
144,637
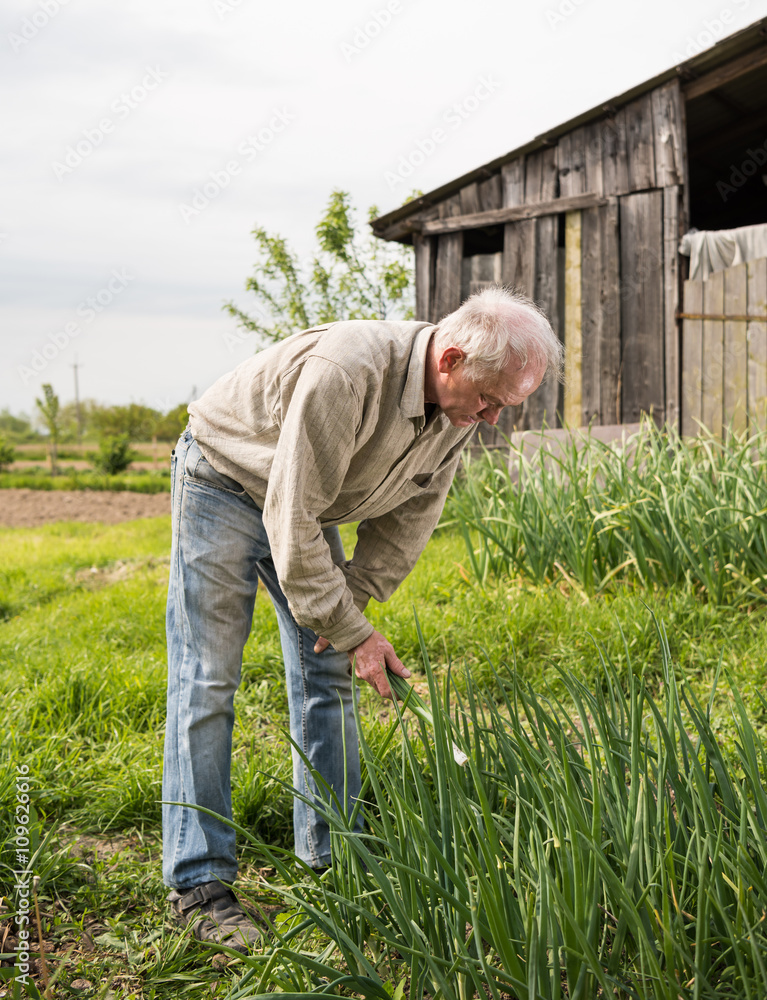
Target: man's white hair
496,325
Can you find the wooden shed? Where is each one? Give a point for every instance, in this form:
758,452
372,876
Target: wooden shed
587,219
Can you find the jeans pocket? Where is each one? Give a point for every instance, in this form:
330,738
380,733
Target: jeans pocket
198,469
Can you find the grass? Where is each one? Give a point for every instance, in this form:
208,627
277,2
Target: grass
82,675
40,479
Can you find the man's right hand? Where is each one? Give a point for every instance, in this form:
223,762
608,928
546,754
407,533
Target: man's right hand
371,660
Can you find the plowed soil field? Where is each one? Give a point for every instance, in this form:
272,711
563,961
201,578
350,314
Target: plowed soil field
28,508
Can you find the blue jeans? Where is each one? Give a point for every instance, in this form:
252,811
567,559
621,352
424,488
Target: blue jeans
219,552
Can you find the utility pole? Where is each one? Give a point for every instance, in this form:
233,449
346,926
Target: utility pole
77,404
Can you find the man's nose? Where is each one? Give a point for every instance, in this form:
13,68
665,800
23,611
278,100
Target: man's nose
490,414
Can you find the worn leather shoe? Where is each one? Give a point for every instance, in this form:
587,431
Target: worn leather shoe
216,916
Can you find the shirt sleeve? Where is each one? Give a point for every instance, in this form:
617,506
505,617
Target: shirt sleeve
389,546
320,414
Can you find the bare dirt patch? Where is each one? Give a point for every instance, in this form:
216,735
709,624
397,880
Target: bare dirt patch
29,508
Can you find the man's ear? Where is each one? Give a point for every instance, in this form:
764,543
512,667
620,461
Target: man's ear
448,360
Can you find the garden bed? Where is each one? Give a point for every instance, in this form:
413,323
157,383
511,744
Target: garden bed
29,508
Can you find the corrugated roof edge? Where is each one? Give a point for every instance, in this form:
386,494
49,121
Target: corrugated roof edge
736,44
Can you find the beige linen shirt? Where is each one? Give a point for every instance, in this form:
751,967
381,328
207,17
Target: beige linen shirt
324,428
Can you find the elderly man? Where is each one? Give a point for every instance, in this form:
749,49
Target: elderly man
352,421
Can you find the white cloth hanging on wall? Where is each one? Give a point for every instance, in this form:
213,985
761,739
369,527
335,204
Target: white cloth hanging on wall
716,249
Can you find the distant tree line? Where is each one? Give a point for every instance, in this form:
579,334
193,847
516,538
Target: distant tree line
112,428
138,422
350,275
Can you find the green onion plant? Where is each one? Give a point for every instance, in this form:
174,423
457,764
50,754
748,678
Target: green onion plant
656,509
603,846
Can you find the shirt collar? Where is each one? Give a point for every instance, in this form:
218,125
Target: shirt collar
412,401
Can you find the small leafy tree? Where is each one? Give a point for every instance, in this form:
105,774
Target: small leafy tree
7,453
50,412
352,275
114,454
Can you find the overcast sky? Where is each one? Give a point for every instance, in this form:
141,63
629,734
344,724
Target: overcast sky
145,140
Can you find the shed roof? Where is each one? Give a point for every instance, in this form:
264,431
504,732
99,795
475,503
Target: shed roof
694,74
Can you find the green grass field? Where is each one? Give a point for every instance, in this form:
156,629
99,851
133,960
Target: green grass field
82,676
39,478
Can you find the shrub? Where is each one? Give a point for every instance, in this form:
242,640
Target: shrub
114,454
7,454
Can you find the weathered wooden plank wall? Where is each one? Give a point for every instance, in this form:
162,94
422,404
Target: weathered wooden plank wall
757,345
543,283
600,310
630,358
724,378
544,406
447,278
573,402
571,163
469,199
672,233
490,195
642,307
713,354
481,270
692,358
425,258
615,159
669,135
519,255
513,183
735,351
447,281
640,145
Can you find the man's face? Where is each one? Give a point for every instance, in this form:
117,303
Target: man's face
465,402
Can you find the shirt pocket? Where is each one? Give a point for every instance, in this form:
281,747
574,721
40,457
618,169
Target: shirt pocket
388,497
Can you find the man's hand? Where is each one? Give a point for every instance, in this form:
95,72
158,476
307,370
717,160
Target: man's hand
371,659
